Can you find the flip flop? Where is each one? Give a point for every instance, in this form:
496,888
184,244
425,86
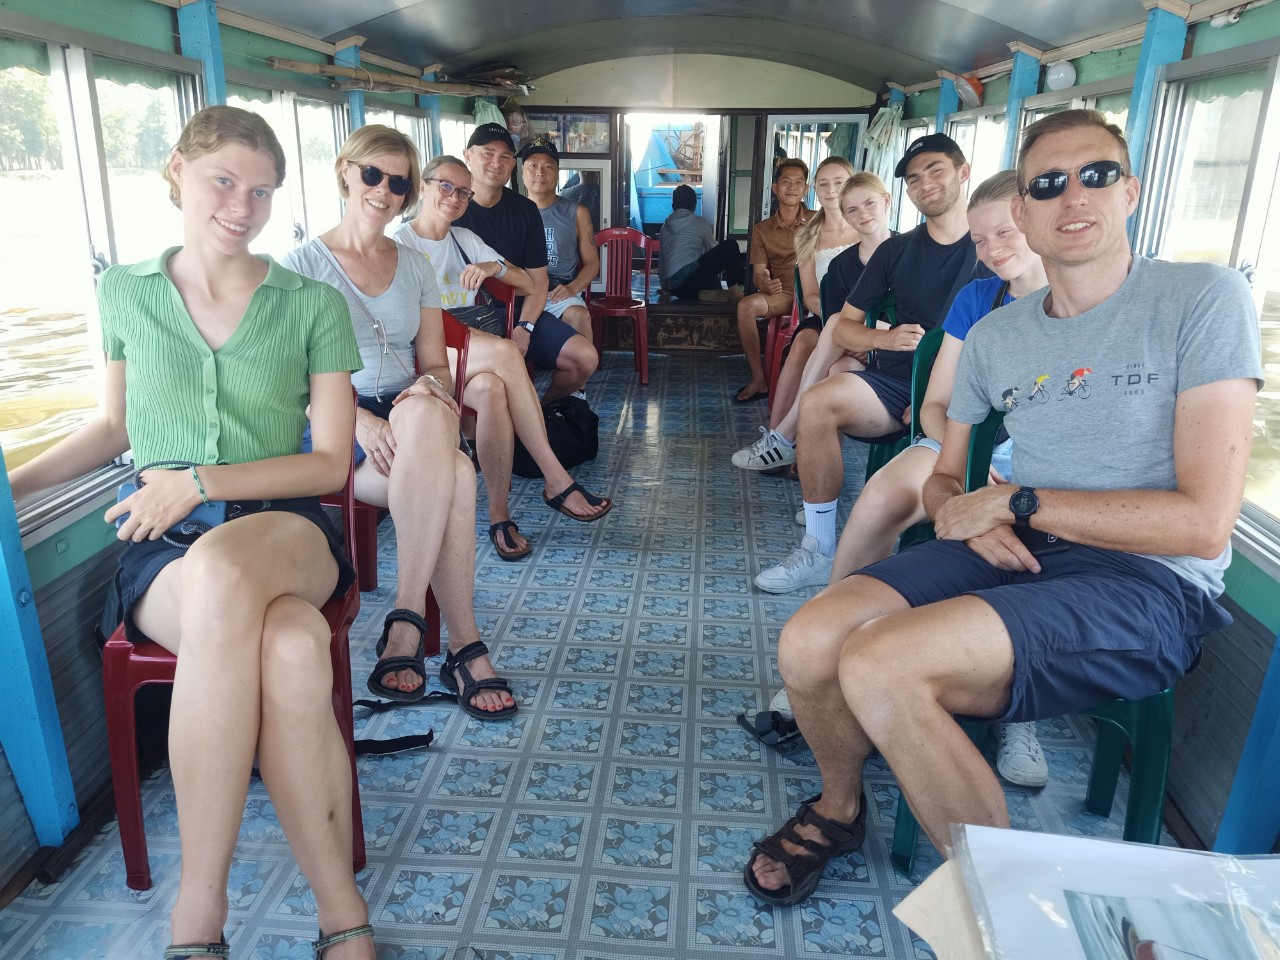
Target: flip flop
770,727
470,685
505,528
416,663
758,395
557,503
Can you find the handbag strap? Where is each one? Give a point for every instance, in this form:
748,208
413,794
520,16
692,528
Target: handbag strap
1000,295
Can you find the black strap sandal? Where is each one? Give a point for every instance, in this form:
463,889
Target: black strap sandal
771,728
557,503
416,663
470,685
188,951
324,943
504,529
805,868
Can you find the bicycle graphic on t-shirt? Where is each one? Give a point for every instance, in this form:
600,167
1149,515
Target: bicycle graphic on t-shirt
1040,391
1077,386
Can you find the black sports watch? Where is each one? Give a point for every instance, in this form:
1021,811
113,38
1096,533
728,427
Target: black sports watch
525,324
1024,503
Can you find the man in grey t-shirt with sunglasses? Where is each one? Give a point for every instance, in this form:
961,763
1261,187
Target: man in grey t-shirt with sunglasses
1094,580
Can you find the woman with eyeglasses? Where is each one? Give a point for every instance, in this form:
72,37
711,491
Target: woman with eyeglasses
407,423
213,355
498,386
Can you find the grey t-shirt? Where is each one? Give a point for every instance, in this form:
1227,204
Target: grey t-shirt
560,225
684,237
398,312
1090,399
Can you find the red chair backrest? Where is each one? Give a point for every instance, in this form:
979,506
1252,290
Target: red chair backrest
619,244
458,336
505,294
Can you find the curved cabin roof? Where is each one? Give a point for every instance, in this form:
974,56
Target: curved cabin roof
862,42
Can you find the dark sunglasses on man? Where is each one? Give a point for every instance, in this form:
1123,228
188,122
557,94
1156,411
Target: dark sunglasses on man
371,176
1095,176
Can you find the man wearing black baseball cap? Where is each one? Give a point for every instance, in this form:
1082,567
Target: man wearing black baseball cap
512,225
922,269
572,259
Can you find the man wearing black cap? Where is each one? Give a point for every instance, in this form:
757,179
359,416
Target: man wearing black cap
922,269
512,225
572,259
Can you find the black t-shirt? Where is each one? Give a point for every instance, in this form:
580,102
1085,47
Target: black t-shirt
923,276
512,226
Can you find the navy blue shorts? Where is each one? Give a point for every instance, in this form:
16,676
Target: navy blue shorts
549,336
894,394
142,562
1093,626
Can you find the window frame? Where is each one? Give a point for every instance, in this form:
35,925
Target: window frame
897,188
71,63
1257,534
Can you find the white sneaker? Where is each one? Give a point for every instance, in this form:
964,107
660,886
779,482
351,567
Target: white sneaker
1020,759
781,704
804,568
800,516
767,453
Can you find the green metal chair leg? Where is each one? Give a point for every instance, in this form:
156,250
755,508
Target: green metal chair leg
1148,724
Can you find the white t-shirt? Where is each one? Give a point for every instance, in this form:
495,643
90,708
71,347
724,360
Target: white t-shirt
447,261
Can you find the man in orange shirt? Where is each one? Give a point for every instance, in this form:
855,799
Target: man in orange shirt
773,265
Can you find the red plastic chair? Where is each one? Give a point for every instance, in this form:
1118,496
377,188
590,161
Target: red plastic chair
504,294
368,515
776,341
617,301
128,666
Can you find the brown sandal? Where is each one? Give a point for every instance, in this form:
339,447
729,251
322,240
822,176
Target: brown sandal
805,868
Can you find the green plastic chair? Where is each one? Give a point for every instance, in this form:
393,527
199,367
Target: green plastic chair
1146,724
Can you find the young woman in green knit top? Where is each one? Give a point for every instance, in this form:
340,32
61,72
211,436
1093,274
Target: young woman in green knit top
213,355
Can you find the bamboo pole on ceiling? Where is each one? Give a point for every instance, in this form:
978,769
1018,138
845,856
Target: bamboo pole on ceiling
400,82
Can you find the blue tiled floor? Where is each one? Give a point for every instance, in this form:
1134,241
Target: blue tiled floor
612,817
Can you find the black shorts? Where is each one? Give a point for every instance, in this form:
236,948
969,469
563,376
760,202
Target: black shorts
142,562
894,394
808,322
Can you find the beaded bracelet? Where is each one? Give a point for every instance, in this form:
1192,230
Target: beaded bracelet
204,497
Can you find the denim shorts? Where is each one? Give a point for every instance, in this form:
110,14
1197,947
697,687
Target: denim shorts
1093,626
142,562
1001,454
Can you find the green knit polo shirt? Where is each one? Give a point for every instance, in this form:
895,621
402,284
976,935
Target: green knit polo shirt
244,401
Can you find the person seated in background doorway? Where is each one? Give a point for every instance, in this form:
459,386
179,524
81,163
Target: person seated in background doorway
512,225
572,259
1139,479
584,188
692,263
773,264
923,269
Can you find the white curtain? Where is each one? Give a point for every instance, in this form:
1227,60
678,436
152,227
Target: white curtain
882,140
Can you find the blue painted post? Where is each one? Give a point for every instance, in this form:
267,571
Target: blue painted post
30,731
201,40
948,101
431,103
1251,821
897,94
349,56
1024,82
1162,43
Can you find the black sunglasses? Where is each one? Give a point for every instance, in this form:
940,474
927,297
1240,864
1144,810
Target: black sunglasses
448,188
1095,176
371,176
